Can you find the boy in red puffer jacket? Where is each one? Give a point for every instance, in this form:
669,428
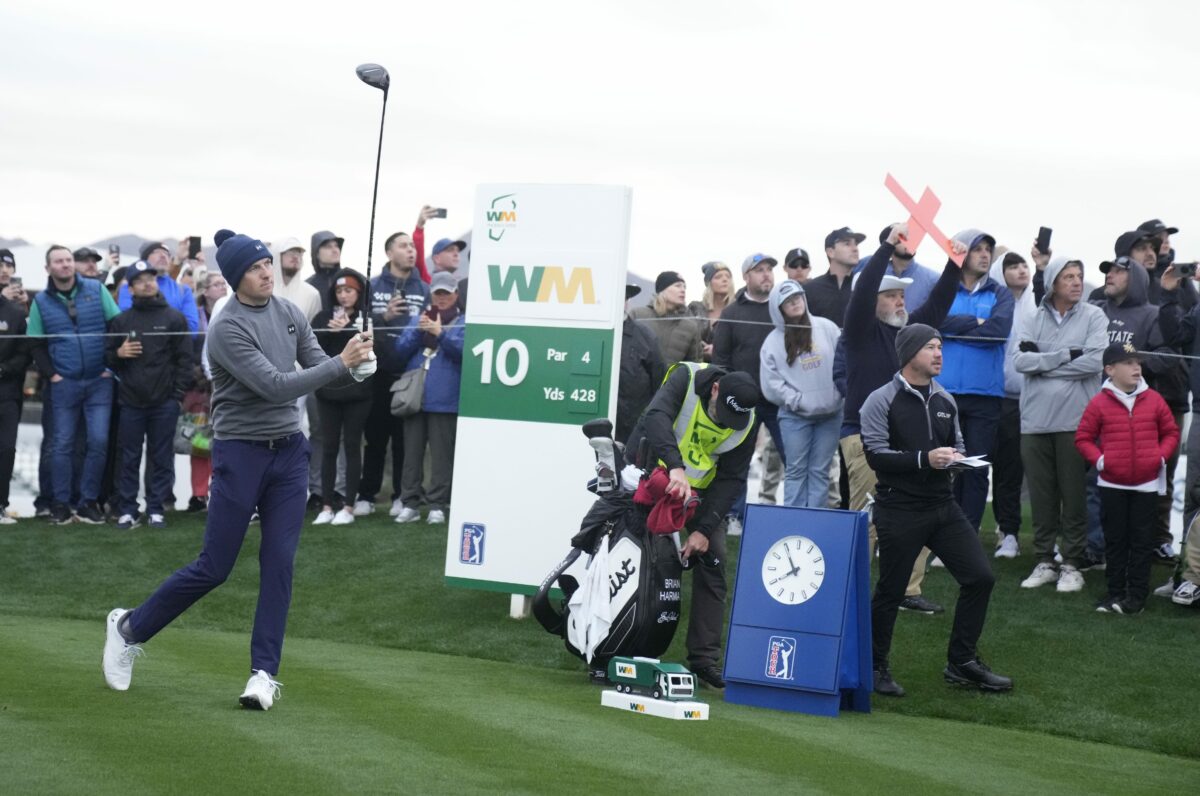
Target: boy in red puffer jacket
1127,433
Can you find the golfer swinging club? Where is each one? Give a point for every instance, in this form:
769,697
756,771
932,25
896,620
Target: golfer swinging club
260,463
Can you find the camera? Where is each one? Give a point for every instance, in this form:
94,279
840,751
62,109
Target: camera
1186,269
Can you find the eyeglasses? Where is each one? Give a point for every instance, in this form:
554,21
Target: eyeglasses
804,266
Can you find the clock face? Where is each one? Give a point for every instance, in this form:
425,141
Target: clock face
793,570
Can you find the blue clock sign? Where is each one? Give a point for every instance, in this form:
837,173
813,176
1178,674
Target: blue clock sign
800,628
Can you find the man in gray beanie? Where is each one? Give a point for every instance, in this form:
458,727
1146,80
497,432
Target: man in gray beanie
260,463
911,438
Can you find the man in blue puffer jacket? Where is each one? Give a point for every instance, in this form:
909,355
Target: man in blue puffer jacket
73,313
976,332
433,340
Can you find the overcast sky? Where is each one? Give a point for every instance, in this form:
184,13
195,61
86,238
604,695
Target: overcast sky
740,126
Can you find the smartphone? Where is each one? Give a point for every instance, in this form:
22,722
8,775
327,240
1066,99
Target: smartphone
133,335
193,247
15,281
1043,239
339,311
114,249
439,212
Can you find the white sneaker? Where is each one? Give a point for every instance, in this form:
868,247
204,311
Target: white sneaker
261,691
1167,589
118,654
7,519
1008,547
936,562
343,517
1069,579
324,518
363,507
1042,574
397,507
408,515
733,526
1186,594
436,517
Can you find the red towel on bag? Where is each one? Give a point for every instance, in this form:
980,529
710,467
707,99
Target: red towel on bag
669,513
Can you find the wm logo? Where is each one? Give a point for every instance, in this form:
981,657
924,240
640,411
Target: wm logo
540,283
691,714
502,216
637,706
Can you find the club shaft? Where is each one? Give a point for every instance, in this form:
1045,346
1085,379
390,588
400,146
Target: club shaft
374,200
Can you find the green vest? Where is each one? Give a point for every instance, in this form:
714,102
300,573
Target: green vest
701,441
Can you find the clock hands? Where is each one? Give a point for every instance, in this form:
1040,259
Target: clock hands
794,568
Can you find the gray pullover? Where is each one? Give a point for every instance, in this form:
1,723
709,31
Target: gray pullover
253,352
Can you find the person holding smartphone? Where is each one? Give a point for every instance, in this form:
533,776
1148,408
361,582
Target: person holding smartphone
343,409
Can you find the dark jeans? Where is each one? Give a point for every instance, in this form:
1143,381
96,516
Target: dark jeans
437,430
1129,541
10,418
247,477
45,498
156,427
766,413
382,427
949,535
978,419
76,400
341,422
706,618
1007,470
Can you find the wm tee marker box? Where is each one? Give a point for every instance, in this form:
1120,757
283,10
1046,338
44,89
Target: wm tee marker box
663,708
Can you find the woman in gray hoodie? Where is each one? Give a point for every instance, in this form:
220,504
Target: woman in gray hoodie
796,373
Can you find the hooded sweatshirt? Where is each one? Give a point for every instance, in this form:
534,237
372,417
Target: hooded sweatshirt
975,365
333,341
297,291
1023,312
1057,387
804,387
163,372
1132,319
322,279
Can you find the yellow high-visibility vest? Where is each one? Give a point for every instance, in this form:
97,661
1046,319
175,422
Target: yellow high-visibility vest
701,441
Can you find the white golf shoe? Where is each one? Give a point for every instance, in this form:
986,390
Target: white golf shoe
397,507
1008,547
1069,579
324,518
1042,574
436,517
343,517
408,514
118,653
363,507
261,691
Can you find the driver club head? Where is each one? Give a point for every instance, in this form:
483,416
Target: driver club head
374,75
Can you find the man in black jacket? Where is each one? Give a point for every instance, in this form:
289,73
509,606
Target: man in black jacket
699,428
911,437
14,359
642,371
153,365
326,253
737,343
829,294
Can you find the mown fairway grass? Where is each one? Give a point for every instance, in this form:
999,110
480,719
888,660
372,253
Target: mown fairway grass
395,682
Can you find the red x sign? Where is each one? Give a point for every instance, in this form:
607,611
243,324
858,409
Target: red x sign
920,221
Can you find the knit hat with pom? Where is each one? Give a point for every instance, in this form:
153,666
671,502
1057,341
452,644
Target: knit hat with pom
236,253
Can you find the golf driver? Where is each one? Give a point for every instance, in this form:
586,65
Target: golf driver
376,76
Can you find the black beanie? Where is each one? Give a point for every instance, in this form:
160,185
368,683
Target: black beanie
665,280
911,339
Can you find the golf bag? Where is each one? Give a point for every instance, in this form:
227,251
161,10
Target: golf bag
635,581
628,602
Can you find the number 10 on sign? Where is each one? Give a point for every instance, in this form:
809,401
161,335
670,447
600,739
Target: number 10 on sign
503,374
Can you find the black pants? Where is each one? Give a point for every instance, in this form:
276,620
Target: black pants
1007,471
10,418
382,427
945,530
341,422
978,417
1128,518
154,426
706,618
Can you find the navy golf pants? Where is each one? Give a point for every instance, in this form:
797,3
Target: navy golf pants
247,476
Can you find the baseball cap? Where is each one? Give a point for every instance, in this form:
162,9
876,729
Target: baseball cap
737,396
888,282
1120,262
757,258
6,256
446,243
286,245
444,282
1127,240
795,255
138,269
87,253
788,288
843,233
151,246
1155,226
1120,352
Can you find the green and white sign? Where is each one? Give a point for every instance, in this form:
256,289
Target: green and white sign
544,314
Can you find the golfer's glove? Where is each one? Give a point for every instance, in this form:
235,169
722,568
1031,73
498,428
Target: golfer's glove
364,369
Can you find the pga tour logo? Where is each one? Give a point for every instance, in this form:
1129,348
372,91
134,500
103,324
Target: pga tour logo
781,653
470,550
